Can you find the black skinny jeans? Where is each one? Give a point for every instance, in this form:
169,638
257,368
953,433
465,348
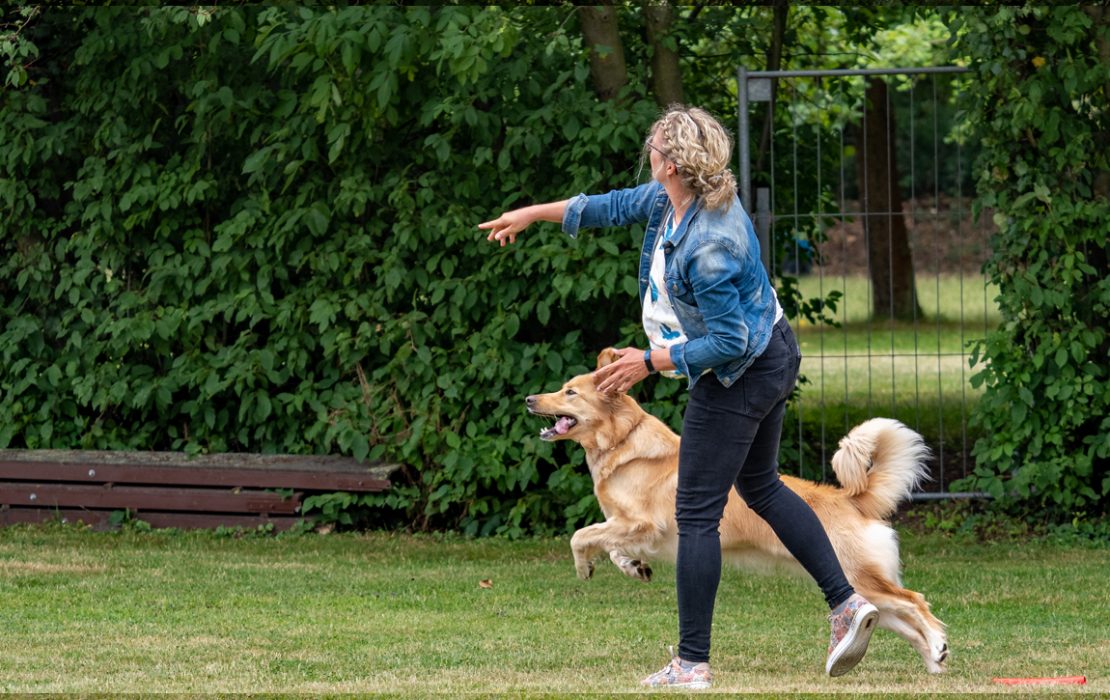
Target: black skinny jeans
730,437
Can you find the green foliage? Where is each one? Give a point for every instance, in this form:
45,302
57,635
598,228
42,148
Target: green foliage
975,521
128,519
1039,109
16,50
254,229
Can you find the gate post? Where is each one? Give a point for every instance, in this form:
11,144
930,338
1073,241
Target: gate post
763,225
742,146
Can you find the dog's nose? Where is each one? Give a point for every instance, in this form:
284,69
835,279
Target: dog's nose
531,401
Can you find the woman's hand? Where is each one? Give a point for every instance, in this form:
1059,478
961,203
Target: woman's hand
623,373
505,227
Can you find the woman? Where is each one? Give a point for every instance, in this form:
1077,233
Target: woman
711,316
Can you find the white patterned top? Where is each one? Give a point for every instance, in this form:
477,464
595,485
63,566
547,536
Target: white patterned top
660,323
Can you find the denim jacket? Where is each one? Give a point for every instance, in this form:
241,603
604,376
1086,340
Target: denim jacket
717,284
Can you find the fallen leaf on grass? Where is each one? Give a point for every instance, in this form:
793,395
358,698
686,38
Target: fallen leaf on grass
485,583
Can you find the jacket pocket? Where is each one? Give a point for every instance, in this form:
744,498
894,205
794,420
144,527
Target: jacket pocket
680,290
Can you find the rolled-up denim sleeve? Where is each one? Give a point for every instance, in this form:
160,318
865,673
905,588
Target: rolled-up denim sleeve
678,358
572,215
615,208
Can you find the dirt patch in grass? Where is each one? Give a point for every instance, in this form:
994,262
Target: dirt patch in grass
944,237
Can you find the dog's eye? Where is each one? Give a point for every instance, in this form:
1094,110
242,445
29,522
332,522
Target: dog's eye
571,392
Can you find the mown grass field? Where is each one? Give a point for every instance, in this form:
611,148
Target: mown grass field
139,612
874,359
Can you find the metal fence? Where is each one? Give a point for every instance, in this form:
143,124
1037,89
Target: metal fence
803,150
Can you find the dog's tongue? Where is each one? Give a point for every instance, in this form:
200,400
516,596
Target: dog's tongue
563,425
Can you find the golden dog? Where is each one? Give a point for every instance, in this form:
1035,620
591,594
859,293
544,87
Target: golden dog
633,459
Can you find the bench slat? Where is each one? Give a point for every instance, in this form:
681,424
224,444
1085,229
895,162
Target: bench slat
27,494
190,476
184,521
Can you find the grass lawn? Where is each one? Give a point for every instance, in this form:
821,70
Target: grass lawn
85,612
874,360
948,298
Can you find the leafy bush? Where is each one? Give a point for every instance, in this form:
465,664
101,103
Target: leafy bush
1040,112
254,229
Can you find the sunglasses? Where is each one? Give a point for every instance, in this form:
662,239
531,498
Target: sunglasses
658,150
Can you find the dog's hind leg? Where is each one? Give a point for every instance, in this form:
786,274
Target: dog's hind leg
901,610
906,613
930,644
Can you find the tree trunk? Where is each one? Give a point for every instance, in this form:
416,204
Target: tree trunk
666,76
1100,17
608,70
888,248
774,62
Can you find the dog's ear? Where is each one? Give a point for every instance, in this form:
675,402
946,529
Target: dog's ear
607,357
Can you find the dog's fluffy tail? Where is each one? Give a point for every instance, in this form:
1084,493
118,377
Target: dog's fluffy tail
879,463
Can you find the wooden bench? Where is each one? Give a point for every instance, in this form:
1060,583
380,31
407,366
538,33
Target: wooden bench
171,489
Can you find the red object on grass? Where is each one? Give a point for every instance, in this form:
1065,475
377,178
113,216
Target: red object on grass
1058,680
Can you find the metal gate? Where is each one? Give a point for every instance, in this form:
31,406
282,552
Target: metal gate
803,182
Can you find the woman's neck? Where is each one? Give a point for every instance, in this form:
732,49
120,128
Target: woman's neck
681,199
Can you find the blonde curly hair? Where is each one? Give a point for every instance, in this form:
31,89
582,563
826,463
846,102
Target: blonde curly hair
701,149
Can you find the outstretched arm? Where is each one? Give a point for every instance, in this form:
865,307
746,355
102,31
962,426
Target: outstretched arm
505,227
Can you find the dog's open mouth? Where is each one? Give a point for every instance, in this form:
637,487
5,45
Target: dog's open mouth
562,426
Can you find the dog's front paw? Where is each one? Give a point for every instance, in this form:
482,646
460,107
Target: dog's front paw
585,569
632,567
638,570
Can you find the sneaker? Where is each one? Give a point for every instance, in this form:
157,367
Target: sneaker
851,632
680,674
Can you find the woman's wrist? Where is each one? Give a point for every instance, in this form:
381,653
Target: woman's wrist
550,211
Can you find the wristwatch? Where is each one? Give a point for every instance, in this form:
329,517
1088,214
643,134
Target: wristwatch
647,361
